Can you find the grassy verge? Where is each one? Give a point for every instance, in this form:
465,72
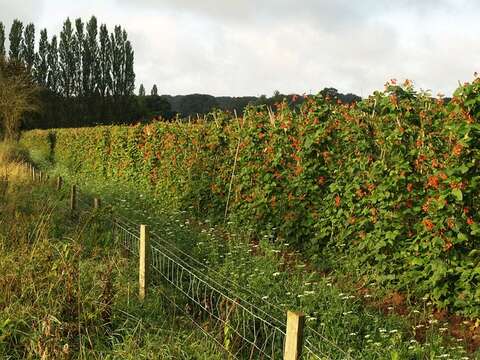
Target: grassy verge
67,292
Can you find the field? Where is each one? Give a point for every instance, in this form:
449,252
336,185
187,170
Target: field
363,216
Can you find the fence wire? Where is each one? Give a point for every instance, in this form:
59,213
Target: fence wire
243,329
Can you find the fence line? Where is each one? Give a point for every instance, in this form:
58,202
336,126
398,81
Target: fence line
240,328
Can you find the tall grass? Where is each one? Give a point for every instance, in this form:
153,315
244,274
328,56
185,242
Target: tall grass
65,292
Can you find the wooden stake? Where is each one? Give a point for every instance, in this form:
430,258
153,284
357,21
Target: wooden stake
144,261
294,340
59,183
73,197
96,203
33,173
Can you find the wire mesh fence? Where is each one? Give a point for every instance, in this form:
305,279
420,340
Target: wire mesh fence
242,329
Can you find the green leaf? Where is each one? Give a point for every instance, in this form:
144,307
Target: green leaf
458,194
463,169
462,237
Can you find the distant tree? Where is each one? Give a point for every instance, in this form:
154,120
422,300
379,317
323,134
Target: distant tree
53,67
66,51
41,60
28,47
350,98
330,93
154,91
128,72
141,90
16,39
118,60
104,81
157,106
333,95
78,56
2,40
90,58
194,104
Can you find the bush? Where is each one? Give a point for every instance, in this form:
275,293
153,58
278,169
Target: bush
13,153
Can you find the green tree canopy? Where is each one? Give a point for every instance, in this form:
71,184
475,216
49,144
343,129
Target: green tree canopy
18,95
141,90
41,60
2,39
16,39
53,68
67,59
28,47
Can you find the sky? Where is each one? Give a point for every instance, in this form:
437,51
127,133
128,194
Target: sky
254,47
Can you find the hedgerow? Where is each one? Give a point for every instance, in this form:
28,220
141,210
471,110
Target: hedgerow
390,182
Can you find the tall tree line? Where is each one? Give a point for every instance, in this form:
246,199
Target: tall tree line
86,72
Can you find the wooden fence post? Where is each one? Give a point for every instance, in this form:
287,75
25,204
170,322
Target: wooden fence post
33,173
97,203
144,252
294,340
73,197
59,183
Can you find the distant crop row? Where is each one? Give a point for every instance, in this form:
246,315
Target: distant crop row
391,182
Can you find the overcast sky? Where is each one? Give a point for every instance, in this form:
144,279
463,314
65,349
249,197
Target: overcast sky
253,47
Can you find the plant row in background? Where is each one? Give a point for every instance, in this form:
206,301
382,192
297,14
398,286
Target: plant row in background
389,183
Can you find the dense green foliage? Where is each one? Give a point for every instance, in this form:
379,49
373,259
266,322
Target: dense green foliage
18,96
391,183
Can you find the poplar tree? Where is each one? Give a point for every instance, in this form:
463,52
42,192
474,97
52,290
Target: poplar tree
16,40
78,56
41,60
104,80
2,40
118,60
28,47
141,91
129,73
154,91
90,57
53,67
66,51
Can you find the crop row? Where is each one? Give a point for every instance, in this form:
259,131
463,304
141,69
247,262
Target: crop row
390,183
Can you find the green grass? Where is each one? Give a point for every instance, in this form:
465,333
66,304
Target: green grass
67,292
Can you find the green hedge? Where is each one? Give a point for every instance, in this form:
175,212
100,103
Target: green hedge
390,182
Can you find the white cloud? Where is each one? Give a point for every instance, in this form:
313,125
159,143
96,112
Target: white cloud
247,47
